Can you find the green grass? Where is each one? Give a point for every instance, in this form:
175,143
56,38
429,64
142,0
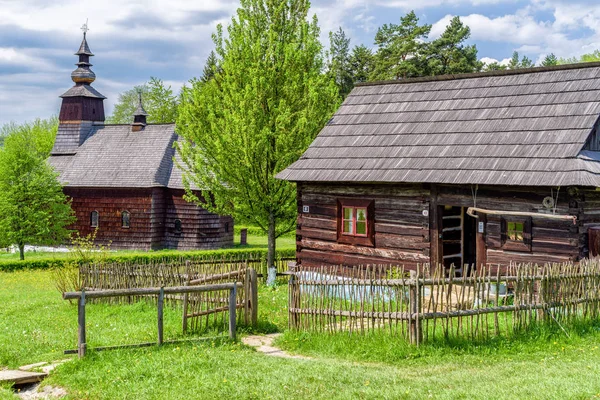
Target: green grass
36,325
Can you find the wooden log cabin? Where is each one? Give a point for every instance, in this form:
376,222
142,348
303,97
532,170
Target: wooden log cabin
122,179
398,171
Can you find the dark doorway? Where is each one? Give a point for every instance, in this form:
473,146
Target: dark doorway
459,234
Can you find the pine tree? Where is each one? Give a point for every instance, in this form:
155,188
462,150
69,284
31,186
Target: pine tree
449,55
211,68
361,63
550,60
339,63
260,113
400,47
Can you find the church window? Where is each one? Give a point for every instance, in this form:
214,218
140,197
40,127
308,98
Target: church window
125,219
94,217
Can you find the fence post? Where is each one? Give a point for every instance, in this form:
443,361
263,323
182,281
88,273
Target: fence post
232,309
253,297
186,297
81,341
415,305
292,302
161,301
247,294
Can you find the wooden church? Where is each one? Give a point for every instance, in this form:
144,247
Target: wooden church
123,180
480,168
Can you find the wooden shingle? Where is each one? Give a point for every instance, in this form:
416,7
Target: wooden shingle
519,127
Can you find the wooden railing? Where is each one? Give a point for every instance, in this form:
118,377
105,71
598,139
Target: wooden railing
160,292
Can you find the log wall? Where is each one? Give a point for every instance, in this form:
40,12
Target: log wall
405,236
551,241
401,229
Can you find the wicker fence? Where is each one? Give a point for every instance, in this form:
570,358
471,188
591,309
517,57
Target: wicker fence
425,304
201,310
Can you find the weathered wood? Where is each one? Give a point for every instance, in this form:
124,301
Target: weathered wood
17,377
150,291
161,302
81,337
253,297
232,311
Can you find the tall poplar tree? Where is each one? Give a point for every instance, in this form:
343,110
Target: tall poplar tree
263,108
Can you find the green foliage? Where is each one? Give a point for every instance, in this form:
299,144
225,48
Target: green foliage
449,55
258,114
550,60
147,257
495,66
33,208
400,49
524,62
159,102
590,57
362,63
339,63
211,68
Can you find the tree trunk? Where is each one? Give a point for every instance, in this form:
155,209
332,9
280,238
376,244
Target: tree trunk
272,270
21,251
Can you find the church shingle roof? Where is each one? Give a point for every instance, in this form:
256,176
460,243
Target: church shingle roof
115,156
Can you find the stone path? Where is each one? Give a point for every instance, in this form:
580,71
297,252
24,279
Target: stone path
28,377
264,344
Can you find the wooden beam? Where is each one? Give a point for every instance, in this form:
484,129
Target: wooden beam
151,291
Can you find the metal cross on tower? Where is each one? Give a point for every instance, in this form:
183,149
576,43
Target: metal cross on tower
84,27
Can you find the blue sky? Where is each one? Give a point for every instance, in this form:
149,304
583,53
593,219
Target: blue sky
170,39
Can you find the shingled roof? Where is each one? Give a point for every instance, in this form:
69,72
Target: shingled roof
517,127
115,156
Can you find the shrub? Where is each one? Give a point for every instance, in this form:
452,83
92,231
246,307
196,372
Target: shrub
147,257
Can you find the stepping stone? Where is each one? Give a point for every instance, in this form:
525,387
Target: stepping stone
21,377
32,366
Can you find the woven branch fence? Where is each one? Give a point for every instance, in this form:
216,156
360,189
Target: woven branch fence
201,311
428,303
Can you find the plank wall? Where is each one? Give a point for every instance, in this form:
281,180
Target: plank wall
200,228
110,203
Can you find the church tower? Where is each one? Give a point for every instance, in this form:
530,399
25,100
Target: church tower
82,105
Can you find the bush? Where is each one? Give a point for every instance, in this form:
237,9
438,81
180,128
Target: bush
147,257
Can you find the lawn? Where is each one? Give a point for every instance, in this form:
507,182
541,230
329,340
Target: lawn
36,325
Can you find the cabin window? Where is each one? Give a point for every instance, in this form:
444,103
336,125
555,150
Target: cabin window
516,234
94,217
355,222
226,227
125,219
178,227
